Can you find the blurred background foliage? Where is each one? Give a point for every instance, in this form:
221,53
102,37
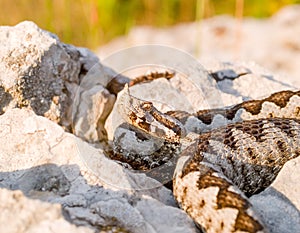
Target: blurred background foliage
91,23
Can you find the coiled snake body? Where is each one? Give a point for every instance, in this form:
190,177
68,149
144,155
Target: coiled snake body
217,172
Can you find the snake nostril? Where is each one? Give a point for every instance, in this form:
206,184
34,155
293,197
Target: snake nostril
147,106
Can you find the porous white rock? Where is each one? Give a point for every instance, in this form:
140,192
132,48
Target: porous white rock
35,67
90,112
41,73
22,214
46,163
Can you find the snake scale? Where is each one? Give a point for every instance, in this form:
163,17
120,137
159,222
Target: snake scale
217,172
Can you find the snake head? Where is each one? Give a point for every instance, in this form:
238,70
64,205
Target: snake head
144,116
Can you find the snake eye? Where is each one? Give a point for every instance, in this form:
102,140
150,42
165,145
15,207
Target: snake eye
147,106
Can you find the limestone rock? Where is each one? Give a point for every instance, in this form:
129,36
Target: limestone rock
41,73
48,164
92,108
34,67
22,214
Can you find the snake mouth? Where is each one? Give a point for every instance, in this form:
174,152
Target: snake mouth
144,116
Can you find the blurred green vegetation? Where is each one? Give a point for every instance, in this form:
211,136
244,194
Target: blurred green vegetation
91,23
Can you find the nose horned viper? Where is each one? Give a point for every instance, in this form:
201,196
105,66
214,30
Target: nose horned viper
217,172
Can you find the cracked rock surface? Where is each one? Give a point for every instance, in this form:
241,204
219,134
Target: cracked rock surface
48,164
40,73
